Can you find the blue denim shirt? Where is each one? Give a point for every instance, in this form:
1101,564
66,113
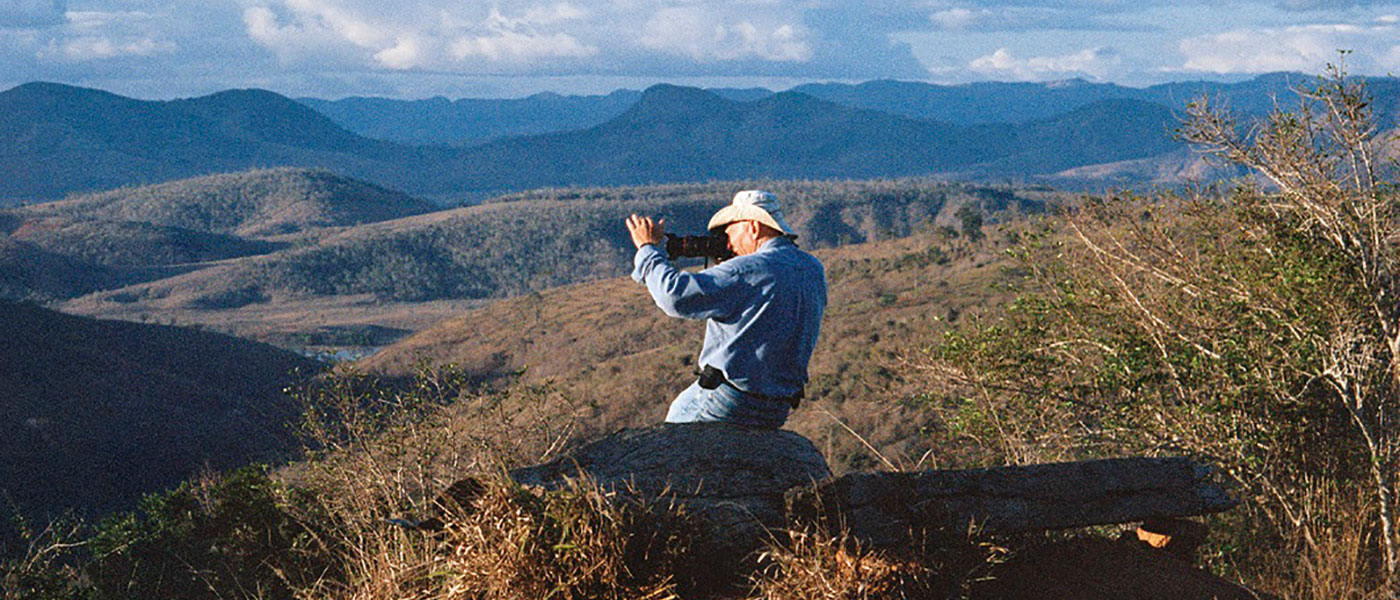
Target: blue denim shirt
763,311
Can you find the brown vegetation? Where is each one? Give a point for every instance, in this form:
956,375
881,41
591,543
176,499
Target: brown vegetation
522,244
620,360
1253,329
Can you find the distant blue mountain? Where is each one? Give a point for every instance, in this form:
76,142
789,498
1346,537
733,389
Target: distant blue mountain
472,121
685,134
59,140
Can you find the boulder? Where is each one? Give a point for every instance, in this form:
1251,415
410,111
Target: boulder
735,478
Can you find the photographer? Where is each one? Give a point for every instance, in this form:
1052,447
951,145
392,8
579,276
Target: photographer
763,309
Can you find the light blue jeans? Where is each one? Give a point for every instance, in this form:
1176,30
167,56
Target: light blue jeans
726,404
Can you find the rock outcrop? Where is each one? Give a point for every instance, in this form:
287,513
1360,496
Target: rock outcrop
733,477
885,509
748,485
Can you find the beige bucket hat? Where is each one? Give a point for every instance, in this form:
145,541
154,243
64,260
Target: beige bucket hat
753,205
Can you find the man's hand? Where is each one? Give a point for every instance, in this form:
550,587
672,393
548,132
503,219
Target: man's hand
644,231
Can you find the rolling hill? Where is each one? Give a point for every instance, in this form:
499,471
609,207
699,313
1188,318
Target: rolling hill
611,359
252,204
97,413
30,272
130,235
534,241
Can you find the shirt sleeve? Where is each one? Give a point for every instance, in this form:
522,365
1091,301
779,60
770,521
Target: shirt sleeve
715,293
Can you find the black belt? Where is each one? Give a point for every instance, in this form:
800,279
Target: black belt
711,378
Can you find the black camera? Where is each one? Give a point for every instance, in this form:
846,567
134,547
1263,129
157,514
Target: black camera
715,246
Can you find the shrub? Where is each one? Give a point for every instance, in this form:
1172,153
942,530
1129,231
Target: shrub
36,564
1257,330
219,536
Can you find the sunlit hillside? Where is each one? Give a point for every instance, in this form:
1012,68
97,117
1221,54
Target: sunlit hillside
620,361
348,278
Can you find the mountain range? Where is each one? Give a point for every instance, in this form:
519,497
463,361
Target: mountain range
472,121
64,140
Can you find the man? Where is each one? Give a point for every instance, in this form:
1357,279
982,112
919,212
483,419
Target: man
763,310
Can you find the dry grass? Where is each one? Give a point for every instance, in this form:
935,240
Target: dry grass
385,452
382,452
1336,560
607,347
577,543
817,566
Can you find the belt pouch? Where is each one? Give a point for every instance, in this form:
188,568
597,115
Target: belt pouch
710,377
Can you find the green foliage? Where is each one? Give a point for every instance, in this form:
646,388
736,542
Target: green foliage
970,216
1256,331
36,563
217,537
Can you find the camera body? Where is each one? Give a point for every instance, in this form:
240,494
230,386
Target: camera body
713,246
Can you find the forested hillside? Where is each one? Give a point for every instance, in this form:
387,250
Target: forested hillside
98,413
64,139
130,235
686,134
250,204
470,121
534,241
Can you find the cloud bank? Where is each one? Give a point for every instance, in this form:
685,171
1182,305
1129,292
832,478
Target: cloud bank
162,48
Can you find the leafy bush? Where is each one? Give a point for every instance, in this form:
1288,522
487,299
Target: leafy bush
37,564
216,537
1255,330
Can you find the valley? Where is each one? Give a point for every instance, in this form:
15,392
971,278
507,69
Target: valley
356,306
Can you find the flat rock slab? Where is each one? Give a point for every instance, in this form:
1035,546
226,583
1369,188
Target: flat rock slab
886,509
734,477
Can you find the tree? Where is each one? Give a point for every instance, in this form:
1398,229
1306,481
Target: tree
1258,329
1324,163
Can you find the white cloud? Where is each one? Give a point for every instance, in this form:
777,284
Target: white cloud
518,39
1002,64
993,17
97,47
406,53
100,35
704,34
1305,48
958,18
437,35
321,33
510,45
88,21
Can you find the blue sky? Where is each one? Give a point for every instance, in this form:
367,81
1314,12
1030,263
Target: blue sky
469,48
